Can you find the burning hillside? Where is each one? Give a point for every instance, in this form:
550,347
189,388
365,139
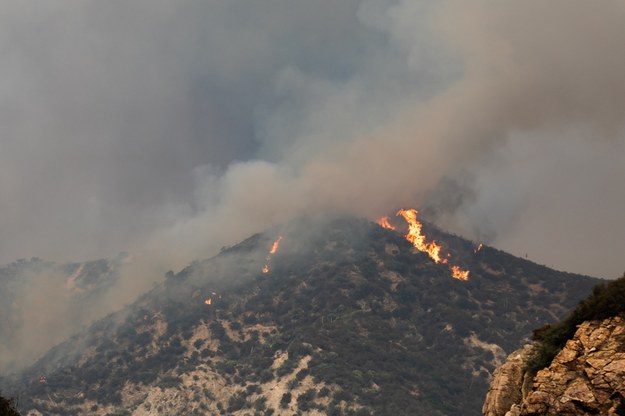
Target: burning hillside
420,241
274,248
348,321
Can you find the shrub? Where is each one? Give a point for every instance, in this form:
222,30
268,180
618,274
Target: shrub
237,402
286,399
266,376
324,392
287,367
606,300
305,400
169,382
260,403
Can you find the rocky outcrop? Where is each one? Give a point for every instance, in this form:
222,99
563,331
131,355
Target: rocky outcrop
586,378
506,388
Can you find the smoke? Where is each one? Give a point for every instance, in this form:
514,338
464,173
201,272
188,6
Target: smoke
173,129
23,335
43,303
543,79
530,125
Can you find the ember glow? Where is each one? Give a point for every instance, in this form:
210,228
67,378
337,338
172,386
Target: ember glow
208,301
274,248
384,223
416,237
458,273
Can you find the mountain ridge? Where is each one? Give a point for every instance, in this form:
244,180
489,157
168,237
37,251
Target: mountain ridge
350,319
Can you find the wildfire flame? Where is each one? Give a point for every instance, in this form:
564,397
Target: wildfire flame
458,273
417,238
384,223
274,248
208,301
478,248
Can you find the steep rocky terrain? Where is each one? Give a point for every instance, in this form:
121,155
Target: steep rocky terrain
349,319
586,376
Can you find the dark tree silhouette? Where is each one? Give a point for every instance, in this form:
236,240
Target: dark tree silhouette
7,407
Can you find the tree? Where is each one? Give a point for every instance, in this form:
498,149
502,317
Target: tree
7,407
286,399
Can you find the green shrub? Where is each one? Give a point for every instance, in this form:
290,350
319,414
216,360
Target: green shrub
169,382
260,403
286,399
305,400
287,367
237,402
606,300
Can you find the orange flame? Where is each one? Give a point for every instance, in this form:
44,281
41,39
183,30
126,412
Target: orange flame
208,301
274,248
417,238
458,273
384,223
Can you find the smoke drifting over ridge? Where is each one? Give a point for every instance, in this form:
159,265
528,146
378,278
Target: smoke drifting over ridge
178,128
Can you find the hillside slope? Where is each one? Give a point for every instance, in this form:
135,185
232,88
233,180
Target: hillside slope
349,319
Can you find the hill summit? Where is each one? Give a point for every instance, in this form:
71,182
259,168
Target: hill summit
332,315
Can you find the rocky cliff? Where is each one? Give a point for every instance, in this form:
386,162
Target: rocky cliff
587,377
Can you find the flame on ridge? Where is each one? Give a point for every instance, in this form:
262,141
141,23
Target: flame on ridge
208,301
274,248
384,223
418,240
416,237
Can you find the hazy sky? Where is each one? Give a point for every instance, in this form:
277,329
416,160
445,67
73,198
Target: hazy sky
178,127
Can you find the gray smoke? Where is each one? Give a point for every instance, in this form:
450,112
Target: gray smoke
528,106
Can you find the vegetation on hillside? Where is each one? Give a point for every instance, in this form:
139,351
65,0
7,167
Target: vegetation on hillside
381,330
606,300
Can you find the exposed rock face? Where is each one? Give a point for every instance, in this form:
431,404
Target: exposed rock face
507,385
586,378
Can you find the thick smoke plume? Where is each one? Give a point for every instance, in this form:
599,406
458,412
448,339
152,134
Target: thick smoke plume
170,129
534,117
